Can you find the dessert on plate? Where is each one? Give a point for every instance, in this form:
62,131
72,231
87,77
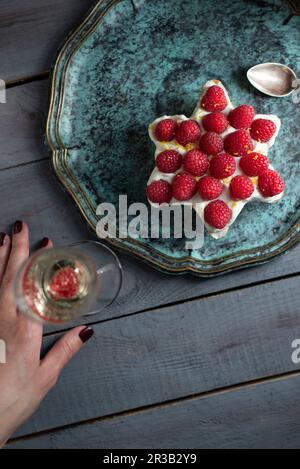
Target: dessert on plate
216,161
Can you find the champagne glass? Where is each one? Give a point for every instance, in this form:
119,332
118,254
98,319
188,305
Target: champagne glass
61,284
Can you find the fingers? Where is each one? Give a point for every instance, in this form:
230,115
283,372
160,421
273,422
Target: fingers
18,254
29,328
60,354
4,253
46,243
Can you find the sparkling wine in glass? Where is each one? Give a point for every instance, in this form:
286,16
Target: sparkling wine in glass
61,284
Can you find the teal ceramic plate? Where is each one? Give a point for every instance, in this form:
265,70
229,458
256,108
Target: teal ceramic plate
132,61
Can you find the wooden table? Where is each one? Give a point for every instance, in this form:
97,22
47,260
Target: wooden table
177,361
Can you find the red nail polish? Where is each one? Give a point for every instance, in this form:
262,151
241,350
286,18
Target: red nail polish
2,239
44,242
86,334
18,227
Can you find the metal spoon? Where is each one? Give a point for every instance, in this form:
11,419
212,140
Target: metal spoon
273,79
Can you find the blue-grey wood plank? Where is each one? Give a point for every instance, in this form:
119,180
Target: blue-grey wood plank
31,32
23,123
32,193
263,416
177,351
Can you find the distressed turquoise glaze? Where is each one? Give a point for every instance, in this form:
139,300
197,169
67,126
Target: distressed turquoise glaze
143,59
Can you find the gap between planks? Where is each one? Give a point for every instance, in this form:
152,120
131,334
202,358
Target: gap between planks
181,302
20,165
163,405
28,79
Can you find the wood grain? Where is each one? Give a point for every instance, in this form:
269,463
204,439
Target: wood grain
32,193
23,124
263,416
32,31
174,352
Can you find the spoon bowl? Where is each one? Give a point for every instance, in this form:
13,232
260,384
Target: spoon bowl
273,79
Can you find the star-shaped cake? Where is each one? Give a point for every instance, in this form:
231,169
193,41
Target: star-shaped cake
216,161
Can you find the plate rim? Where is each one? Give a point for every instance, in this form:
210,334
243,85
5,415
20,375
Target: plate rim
152,256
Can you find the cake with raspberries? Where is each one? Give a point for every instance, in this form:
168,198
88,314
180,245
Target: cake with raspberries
216,161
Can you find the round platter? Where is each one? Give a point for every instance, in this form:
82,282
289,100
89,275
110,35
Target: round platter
131,61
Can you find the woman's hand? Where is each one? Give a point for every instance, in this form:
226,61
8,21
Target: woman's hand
24,378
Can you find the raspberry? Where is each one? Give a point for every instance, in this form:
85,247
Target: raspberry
214,99
270,183
222,166
215,122
241,117
254,164
210,188
159,192
241,188
196,163
262,130
211,143
187,132
168,161
217,214
64,284
184,186
238,143
165,130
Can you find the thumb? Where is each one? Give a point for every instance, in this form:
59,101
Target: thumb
61,353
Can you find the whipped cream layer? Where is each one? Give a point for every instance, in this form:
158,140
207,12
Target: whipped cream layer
196,202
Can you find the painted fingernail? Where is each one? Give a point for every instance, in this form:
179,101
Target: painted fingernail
3,238
86,334
18,227
44,242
